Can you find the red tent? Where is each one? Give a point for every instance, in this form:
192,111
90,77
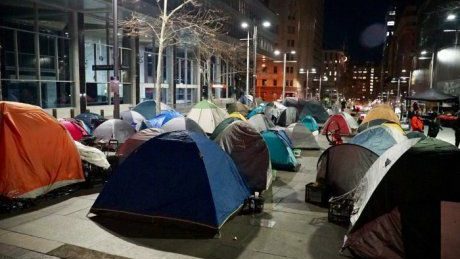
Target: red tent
343,122
74,127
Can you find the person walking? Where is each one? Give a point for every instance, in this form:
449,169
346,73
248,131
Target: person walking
434,125
456,128
416,122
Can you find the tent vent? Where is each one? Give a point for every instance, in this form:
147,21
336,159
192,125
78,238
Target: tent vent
387,162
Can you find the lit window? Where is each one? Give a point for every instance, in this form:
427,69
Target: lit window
391,23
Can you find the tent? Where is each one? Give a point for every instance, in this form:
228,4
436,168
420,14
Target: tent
75,128
223,125
432,95
159,120
136,141
92,155
90,118
378,115
207,115
237,107
248,150
238,116
134,119
114,129
343,122
257,110
343,166
398,202
301,137
182,123
310,123
314,109
148,108
37,154
380,138
260,122
281,154
273,111
287,117
204,188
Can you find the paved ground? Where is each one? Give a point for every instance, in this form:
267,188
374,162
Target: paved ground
288,228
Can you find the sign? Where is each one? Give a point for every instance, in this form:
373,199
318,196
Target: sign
114,86
108,67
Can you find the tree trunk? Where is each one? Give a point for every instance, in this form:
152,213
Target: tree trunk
208,77
161,41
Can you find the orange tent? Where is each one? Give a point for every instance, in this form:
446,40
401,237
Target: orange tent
37,154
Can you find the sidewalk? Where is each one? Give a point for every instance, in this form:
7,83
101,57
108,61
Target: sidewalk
288,228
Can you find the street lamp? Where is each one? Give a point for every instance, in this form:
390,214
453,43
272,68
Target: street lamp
451,17
245,26
398,80
277,52
308,71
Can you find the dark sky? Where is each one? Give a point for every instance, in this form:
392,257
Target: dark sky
357,24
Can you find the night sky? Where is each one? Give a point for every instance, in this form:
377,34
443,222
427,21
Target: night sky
358,25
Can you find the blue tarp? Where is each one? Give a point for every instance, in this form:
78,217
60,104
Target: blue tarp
178,175
159,120
310,123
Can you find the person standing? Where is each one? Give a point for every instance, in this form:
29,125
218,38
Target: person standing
456,128
434,125
416,122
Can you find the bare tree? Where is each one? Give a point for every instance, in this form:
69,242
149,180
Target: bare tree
185,24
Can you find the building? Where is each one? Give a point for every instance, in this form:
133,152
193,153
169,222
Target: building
58,54
364,82
333,73
299,34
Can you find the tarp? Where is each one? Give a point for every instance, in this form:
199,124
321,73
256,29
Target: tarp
182,123
301,137
133,118
148,108
159,120
196,182
237,107
75,128
136,141
379,114
37,154
287,117
92,155
260,122
343,166
88,118
310,123
207,115
114,129
408,177
343,122
281,154
432,95
248,150
380,138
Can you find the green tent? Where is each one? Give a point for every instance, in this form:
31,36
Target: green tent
281,155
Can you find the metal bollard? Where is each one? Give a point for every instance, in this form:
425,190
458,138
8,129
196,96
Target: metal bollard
102,112
72,113
55,113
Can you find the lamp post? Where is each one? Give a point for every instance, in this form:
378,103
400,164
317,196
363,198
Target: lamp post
116,97
277,52
320,80
245,26
302,71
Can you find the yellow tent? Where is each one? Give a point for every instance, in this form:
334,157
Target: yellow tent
382,112
237,115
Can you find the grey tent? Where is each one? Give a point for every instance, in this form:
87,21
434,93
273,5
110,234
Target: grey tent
260,122
148,108
237,107
310,107
287,117
397,205
182,123
136,141
114,129
343,166
134,118
273,111
301,137
250,153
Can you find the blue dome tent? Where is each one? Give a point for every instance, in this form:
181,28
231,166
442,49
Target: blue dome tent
199,185
310,123
159,120
281,154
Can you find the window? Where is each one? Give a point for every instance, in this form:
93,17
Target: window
275,70
264,82
290,43
275,82
291,29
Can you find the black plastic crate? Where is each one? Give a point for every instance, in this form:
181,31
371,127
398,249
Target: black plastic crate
316,193
340,211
